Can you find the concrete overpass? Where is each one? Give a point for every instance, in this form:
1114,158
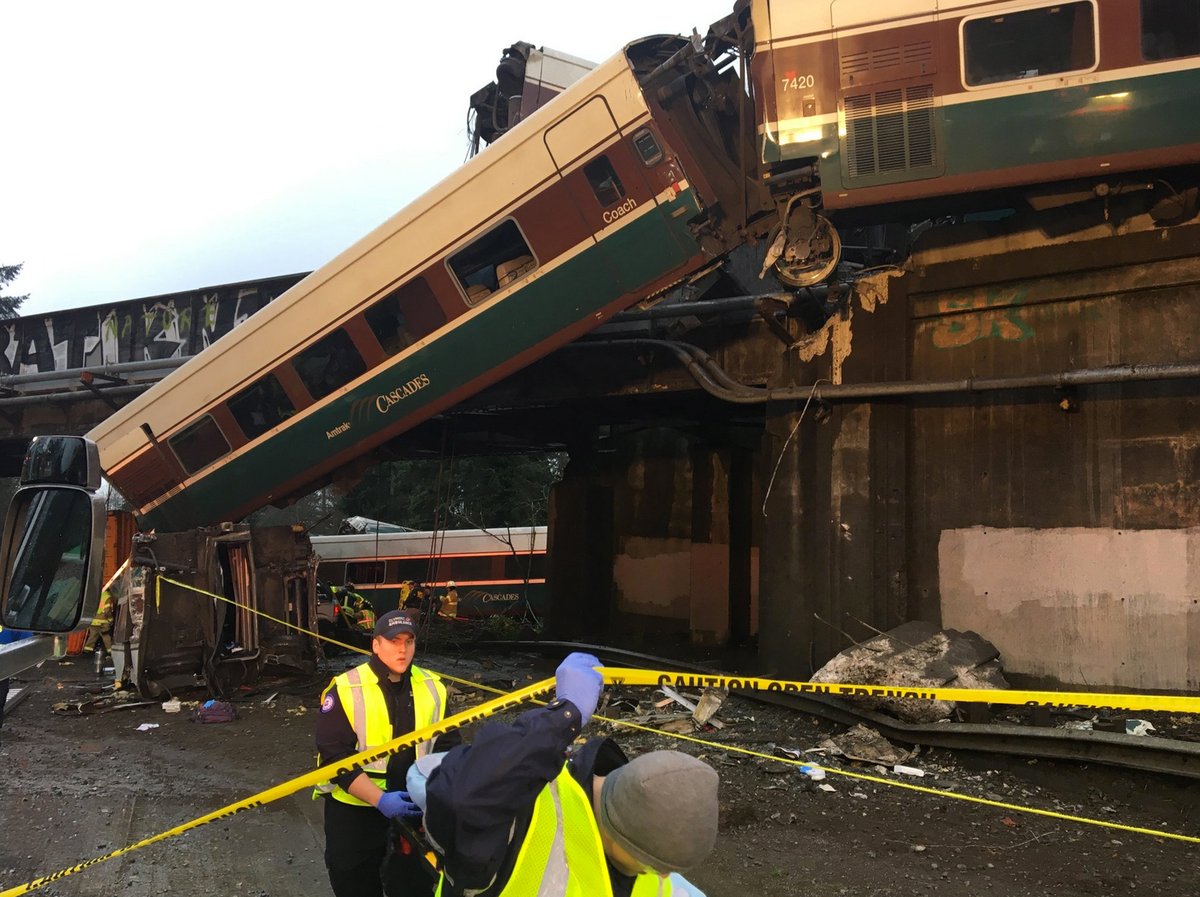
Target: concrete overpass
1003,436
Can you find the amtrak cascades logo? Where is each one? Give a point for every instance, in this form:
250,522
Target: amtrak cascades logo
384,403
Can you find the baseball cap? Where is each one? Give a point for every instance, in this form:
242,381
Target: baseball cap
395,622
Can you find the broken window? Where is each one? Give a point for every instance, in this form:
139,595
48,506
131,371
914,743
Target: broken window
260,407
199,445
330,362
404,316
493,262
605,184
1031,43
1170,29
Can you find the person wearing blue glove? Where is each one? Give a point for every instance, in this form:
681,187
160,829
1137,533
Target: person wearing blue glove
367,852
398,805
510,818
577,680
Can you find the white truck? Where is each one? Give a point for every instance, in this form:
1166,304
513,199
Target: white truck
51,556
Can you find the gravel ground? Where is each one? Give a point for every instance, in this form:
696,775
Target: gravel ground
78,786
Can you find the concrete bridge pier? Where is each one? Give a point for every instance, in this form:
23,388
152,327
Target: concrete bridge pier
646,547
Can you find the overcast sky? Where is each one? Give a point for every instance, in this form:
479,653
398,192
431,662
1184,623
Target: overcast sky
154,147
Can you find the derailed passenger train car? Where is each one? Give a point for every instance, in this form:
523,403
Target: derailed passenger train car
596,201
166,637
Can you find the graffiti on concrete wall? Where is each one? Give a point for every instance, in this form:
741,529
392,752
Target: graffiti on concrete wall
987,313
173,326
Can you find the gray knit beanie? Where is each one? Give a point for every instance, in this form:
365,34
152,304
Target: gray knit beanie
662,808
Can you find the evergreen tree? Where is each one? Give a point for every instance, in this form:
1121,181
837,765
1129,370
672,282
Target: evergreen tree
9,305
466,493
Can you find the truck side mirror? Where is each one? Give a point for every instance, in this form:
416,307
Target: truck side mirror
51,556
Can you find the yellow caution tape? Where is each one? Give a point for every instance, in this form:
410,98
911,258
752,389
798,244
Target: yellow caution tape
1019,697
308,780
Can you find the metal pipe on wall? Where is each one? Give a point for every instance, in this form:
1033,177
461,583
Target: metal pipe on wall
716,380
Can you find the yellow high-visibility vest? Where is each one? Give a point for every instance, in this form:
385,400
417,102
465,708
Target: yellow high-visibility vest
361,695
562,854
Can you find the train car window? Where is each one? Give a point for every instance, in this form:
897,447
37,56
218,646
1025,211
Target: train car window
472,569
365,573
496,260
404,316
415,569
1031,43
605,184
261,407
517,567
329,363
1170,29
199,445
647,148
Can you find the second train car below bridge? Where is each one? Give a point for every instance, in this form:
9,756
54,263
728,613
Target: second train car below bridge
501,571
596,201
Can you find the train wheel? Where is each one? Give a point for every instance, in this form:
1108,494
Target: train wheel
808,261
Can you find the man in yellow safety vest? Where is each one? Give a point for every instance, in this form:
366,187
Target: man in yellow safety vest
510,819
369,705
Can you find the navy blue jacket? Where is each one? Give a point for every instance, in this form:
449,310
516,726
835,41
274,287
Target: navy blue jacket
480,800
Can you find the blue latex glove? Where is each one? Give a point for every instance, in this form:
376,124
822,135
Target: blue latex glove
577,681
395,804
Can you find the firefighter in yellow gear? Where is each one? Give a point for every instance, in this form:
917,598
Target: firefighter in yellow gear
356,610
406,589
449,606
364,613
102,625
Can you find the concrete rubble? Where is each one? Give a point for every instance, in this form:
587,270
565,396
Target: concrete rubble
917,654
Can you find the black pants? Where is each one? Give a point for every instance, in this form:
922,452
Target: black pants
3,698
365,858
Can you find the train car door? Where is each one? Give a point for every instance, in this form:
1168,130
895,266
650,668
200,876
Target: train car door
607,189
889,106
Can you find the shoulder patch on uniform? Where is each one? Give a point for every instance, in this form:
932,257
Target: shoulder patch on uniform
327,703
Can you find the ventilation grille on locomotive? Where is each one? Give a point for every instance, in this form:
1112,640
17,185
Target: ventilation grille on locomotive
880,59
890,131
